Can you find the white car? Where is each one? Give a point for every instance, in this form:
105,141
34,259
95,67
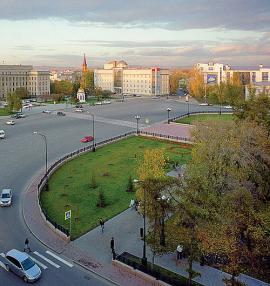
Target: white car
78,110
106,102
28,105
46,111
10,122
228,107
6,198
2,134
98,103
204,104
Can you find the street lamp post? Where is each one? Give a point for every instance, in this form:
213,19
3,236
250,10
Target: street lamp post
46,157
137,117
93,131
163,202
144,259
168,110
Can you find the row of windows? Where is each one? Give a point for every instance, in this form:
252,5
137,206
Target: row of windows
9,73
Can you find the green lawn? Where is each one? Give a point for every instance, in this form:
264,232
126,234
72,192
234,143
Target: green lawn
70,187
205,117
4,112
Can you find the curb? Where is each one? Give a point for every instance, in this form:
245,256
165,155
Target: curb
96,273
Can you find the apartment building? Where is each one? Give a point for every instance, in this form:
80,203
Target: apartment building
15,76
119,78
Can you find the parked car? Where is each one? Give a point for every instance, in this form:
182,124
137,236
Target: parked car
78,106
28,105
78,110
98,103
106,102
228,107
204,104
22,265
18,115
46,111
2,134
10,122
6,198
60,113
87,139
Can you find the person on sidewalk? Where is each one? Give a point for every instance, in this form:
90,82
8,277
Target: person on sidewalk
112,245
26,245
179,251
101,222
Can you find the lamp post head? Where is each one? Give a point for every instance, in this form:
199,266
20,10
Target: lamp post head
138,117
168,109
35,132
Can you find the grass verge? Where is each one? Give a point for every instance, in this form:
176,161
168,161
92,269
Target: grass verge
205,117
73,187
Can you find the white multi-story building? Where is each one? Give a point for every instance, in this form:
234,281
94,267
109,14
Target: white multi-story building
15,76
118,78
257,76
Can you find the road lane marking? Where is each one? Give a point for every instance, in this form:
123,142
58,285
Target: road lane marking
47,260
38,262
59,258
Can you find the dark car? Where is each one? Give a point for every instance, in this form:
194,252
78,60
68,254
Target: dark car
78,106
18,115
60,113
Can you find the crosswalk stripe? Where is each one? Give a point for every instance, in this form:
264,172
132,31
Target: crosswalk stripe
47,260
38,262
59,258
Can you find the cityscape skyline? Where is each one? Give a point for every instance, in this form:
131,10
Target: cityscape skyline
178,33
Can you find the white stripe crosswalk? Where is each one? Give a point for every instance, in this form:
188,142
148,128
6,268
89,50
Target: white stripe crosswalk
59,258
38,257
46,259
38,262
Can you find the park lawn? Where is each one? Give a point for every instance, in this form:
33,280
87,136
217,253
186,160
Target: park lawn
205,117
71,188
4,112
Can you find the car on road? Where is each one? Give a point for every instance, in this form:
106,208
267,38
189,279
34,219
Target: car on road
46,111
28,105
2,134
18,115
60,113
87,139
10,122
205,104
6,198
98,103
22,265
228,107
106,102
78,106
78,110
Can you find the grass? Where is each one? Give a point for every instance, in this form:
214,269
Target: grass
205,117
4,112
71,186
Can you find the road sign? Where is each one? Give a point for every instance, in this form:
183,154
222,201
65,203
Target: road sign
68,215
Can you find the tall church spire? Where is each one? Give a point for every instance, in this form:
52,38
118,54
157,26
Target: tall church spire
84,66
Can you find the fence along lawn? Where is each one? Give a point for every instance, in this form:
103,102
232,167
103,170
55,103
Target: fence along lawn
71,186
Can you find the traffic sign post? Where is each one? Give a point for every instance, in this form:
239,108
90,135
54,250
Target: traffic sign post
68,217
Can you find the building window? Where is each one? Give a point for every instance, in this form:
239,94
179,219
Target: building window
265,76
253,77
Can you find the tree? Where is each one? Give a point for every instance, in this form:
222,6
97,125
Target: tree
228,190
130,185
175,77
196,84
14,102
62,87
22,92
87,81
256,109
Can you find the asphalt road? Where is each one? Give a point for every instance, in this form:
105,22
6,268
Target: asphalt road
22,156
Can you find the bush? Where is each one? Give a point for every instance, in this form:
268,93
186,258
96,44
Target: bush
130,185
93,181
101,200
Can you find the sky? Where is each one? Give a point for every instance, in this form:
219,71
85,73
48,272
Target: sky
166,33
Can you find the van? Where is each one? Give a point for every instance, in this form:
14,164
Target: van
2,134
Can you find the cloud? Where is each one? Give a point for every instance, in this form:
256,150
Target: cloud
170,14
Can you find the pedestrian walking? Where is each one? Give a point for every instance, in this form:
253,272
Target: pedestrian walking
179,251
26,245
101,222
112,245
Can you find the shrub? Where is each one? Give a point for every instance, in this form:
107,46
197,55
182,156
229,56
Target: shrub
93,181
101,200
130,185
